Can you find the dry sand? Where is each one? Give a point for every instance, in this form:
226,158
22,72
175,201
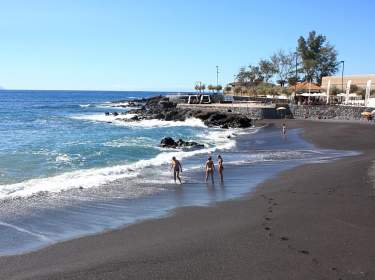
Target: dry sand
312,222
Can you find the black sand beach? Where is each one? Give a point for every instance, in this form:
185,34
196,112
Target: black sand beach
311,222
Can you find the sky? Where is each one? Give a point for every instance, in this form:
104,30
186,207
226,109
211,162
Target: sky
167,45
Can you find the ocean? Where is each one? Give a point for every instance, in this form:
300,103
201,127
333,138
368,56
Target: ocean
68,170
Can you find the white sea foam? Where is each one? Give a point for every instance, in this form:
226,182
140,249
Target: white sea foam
37,235
108,105
63,158
96,177
121,121
82,178
119,104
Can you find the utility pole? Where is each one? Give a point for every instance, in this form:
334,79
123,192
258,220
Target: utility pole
295,85
342,75
217,77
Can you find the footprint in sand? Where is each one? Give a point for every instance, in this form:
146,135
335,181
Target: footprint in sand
305,252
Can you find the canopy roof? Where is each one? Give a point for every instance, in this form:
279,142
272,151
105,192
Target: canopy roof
350,94
313,94
277,96
305,86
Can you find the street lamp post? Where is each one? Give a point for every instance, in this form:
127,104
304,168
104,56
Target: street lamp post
217,78
342,75
217,75
295,85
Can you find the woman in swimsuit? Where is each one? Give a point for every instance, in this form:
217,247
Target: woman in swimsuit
210,168
220,167
177,168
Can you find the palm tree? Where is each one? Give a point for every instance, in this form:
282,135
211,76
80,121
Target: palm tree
219,88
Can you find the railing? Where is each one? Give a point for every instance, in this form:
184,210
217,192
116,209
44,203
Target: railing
230,105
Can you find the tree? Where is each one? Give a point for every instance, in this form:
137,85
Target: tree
197,87
242,75
237,90
354,88
255,75
319,57
292,81
219,88
284,65
335,91
203,87
211,88
267,69
250,77
200,87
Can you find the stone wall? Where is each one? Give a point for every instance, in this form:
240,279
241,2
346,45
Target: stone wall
327,112
251,112
295,111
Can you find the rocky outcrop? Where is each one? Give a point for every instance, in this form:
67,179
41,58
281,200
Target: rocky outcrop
169,142
162,109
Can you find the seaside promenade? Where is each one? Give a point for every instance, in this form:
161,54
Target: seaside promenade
269,110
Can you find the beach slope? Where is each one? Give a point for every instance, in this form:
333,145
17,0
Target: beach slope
311,222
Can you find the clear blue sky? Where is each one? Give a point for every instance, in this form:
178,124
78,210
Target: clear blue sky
167,44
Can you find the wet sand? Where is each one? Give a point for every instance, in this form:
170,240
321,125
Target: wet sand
311,222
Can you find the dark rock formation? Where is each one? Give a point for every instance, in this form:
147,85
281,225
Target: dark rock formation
161,108
169,142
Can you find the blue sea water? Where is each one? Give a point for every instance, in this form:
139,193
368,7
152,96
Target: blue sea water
47,134
41,138
68,170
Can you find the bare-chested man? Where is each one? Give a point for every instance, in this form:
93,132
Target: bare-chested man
177,168
210,168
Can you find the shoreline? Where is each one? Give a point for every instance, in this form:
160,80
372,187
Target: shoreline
193,193
183,234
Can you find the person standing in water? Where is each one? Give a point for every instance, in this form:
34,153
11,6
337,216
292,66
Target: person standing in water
283,130
220,167
177,168
210,168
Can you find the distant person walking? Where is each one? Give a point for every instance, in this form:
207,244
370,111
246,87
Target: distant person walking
283,130
220,167
210,168
177,168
